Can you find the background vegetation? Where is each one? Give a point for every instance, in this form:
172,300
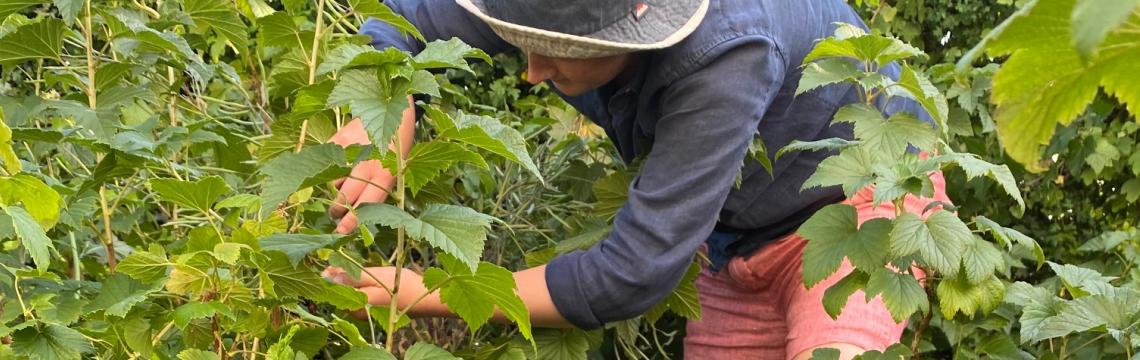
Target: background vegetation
166,189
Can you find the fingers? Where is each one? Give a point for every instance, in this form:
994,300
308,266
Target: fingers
350,190
346,224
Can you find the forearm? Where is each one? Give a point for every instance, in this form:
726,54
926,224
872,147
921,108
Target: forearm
531,289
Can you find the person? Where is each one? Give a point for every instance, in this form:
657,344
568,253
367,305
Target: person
686,84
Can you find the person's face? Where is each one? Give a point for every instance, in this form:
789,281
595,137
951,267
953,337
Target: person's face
575,77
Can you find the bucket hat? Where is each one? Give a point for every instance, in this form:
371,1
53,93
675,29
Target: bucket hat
589,28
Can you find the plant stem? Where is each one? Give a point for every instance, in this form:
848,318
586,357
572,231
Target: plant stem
108,239
77,273
87,30
925,319
393,305
317,34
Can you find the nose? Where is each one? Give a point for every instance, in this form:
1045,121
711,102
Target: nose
539,68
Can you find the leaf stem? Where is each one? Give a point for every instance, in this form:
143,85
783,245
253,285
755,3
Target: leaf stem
393,305
317,34
108,239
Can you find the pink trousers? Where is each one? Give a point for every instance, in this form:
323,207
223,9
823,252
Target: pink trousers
758,308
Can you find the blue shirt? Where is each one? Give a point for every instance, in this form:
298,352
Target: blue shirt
691,110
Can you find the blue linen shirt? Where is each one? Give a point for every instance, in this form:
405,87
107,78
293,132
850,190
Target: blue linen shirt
691,110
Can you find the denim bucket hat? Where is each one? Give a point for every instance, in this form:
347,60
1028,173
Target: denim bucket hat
589,28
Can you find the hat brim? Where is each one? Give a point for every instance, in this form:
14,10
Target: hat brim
658,29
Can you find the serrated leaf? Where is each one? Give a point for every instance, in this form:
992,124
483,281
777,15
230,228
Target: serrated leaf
50,342
367,353
939,240
197,354
423,82
1008,237
851,169
611,192
198,195
199,310
9,7
287,280
119,294
373,8
915,86
38,40
959,295
427,160
836,296
287,173
40,200
975,167
1081,281
826,72
145,266
349,332
221,16
1116,312
278,29
379,106
297,246
11,163
889,137
833,233
562,344
342,297
902,293
759,152
981,260
31,235
1093,19
350,56
488,134
474,296
427,351
451,53
591,232
829,144
457,230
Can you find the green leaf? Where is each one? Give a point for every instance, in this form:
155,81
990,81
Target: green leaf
851,169
297,246
451,53
278,29
198,195
349,331
119,294
9,7
902,293
757,151
562,344
342,297
199,310
833,233
485,133
864,48
351,56
197,354
1081,281
423,82
427,160
427,351
289,172
221,16
592,231
825,353
1093,19
7,155
281,279
475,295
826,72
40,200
457,230
146,266
683,300
891,136
836,296
829,144
915,86
940,239
981,260
611,192
960,295
1008,237
1116,311
976,167
367,353
31,235
379,105
373,8
50,342
38,40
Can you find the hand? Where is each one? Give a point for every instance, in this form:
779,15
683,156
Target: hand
377,285
352,191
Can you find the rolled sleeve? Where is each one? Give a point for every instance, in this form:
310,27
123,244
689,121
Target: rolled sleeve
435,19
700,141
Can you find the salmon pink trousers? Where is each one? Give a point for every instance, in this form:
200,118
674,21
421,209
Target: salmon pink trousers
758,308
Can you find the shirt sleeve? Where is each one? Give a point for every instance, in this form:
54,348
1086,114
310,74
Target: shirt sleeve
436,20
707,123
